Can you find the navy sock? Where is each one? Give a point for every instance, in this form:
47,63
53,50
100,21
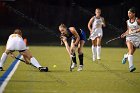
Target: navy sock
81,59
74,58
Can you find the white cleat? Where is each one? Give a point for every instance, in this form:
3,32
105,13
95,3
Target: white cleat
80,68
94,59
98,58
73,65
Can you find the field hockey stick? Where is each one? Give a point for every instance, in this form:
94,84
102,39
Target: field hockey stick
119,37
113,39
13,56
19,59
89,38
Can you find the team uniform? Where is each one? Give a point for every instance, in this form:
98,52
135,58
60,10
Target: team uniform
96,32
80,32
82,36
97,28
134,38
15,42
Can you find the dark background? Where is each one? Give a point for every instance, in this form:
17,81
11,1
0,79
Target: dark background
39,19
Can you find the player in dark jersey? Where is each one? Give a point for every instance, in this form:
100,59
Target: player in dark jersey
78,39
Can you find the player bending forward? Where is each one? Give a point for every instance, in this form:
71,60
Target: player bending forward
16,43
77,40
132,38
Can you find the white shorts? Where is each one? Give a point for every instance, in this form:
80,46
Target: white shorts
15,43
96,33
135,40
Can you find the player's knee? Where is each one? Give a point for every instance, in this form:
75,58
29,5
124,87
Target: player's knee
130,52
80,51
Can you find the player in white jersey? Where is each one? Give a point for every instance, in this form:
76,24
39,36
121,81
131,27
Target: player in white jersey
16,43
132,38
95,25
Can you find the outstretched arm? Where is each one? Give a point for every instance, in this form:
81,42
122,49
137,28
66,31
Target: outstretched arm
64,40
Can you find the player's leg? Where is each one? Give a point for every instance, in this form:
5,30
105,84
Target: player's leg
99,48
9,46
28,56
80,52
131,50
73,55
94,49
3,59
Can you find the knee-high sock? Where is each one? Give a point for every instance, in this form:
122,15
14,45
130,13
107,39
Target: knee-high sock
98,52
94,51
74,58
3,59
34,62
81,59
130,60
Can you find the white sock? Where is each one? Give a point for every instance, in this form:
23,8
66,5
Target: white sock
94,51
3,59
130,60
35,62
98,52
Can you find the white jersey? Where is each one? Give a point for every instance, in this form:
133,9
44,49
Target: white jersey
135,37
15,42
97,28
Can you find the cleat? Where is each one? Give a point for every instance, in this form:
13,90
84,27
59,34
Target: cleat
124,59
1,69
93,58
98,58
133,69
43,69
80,68
73,65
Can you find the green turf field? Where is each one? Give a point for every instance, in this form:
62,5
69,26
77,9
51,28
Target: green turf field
105,76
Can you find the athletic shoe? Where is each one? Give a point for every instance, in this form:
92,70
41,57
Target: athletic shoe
133,69
80,68
98,58
124,59
1,69
93,58
43,69
73,65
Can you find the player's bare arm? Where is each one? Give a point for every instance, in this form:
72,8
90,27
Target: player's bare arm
64,40
73,31
90,23
138,21
103,22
